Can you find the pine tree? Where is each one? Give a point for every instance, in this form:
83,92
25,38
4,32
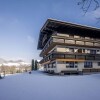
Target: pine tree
32,64
35,64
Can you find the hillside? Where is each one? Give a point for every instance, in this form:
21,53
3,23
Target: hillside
13,63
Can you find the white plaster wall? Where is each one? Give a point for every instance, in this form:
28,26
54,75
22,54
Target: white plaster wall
95,64
62,67
80,66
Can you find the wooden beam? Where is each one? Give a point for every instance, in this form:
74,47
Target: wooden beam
71,60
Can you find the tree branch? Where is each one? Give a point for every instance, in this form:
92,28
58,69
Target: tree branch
86,4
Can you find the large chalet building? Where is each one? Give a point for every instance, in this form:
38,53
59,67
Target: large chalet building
69,48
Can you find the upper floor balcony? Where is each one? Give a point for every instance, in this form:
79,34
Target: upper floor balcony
66,40
70,57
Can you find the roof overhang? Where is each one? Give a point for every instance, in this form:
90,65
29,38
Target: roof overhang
52,25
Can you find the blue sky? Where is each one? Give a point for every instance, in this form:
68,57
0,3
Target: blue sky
21,21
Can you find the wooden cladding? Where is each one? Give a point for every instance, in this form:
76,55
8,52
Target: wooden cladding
70,41
80,42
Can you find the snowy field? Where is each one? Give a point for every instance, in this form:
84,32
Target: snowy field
39,86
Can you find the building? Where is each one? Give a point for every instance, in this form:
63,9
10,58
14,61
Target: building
69,48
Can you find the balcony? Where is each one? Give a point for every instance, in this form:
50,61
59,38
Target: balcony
70,57
67,41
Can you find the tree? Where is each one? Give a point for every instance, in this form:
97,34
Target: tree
32,65
86,5
36,65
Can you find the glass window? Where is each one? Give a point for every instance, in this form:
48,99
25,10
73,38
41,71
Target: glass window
71,64
98,63
93,51
88,64
98,50
79,50
83,50
54,65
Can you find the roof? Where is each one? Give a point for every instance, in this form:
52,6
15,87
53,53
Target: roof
52,25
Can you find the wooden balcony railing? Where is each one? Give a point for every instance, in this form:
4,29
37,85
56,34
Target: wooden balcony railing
70,56
70,41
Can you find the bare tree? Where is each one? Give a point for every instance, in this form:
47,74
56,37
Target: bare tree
86,5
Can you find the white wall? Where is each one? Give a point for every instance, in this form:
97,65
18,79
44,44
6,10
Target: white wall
80,66
62,67
95,64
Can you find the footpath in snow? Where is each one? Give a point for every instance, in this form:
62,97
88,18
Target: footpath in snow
40,86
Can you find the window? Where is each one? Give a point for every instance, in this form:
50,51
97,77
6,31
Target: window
98,50
67,64
71,64
80,57
98,63
79,50
93,51
54,65
83,50
90,57
50,57
70,56
76,64
88,65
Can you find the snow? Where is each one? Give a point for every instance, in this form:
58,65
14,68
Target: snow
15,64
40,86
11,64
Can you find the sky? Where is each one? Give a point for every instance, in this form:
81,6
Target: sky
21,21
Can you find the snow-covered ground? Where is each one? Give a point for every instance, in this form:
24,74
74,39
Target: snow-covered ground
39,86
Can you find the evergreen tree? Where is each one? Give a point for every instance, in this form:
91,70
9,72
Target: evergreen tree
36,65
32,64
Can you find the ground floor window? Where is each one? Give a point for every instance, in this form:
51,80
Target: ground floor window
71,64
98,63
76,64
53,65
88,64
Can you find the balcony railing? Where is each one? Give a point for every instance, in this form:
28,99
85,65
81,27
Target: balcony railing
70,56
71,41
